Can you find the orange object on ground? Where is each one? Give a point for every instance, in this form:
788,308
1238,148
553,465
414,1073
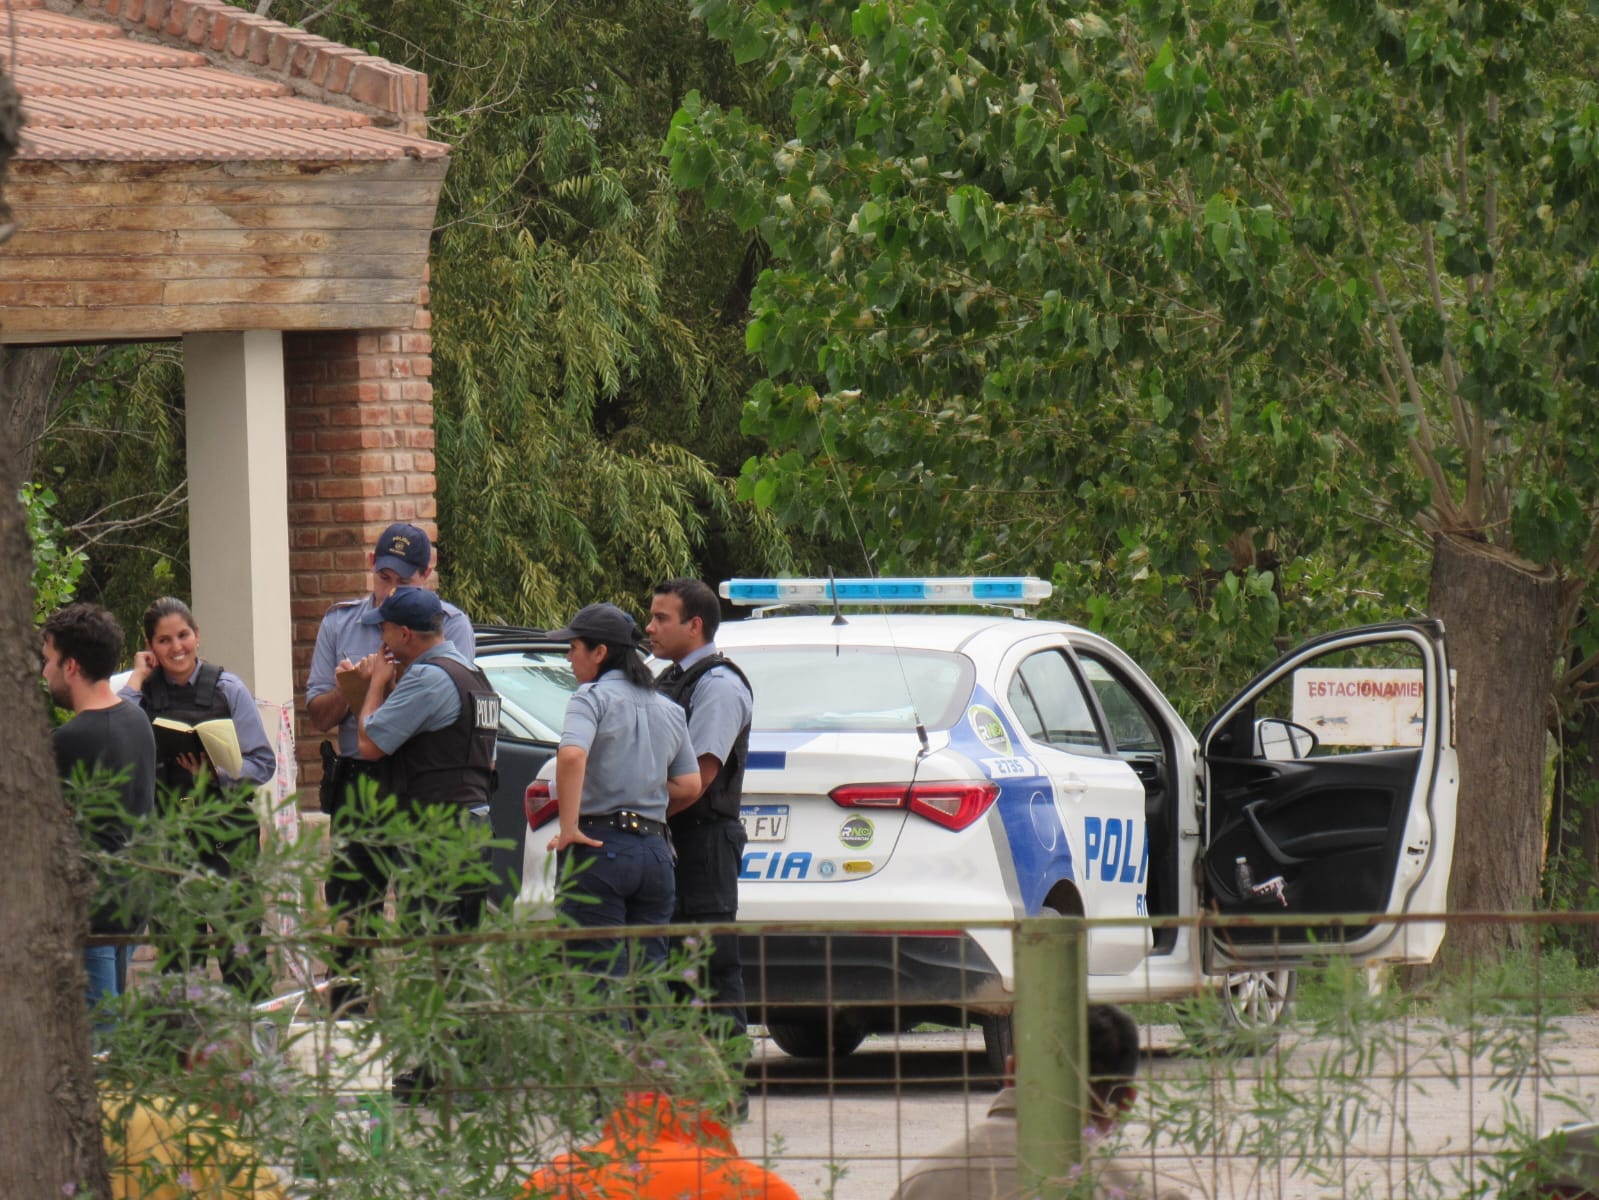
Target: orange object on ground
657,1149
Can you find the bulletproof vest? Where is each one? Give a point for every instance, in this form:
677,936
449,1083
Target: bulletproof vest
193,702
722,797
453,765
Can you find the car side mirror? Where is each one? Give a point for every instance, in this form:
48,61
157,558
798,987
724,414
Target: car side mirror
1279,740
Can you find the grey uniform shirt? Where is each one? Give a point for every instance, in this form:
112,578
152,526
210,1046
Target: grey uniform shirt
636,740
342,636
425,699
722,707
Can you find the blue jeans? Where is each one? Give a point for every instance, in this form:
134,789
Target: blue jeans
107,968
627,881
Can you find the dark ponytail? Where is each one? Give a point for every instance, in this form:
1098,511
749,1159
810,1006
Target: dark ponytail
623,657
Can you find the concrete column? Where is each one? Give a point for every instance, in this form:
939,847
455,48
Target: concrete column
238,506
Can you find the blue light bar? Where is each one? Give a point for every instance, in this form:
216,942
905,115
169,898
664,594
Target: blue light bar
1015,589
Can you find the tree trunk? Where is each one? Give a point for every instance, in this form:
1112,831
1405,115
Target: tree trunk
1502,619
51,1145
1571,859
27,382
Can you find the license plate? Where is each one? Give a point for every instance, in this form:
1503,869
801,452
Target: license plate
764,822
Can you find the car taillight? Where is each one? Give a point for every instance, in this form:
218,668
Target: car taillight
952,804
538,804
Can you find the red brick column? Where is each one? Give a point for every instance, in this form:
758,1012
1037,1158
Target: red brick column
360,416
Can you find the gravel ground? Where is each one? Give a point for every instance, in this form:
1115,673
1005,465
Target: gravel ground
898,1099
1436,1113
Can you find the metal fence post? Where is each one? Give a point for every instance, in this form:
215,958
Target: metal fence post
1051,1053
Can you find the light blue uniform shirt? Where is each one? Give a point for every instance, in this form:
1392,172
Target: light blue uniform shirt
423,700
342,636
260,760
722,707
636,740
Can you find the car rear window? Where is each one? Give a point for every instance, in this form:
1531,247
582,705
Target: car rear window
859,687
534,686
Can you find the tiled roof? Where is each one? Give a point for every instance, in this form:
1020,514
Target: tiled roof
206,82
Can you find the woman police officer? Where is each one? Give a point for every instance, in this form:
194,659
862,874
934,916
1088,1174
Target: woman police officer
624,755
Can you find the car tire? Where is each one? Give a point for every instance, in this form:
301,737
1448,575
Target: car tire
1245,1017
999,1044
833,1035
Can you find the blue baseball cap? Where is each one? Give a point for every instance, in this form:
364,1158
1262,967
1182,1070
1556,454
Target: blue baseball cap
413,607
403,549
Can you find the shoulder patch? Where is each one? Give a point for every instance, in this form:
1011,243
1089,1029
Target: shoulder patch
338,604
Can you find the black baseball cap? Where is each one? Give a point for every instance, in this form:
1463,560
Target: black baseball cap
599,623
403,549
413,607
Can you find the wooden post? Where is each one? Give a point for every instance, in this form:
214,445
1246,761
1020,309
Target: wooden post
1051,1053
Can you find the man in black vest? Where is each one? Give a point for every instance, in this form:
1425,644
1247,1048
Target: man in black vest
706,832
435,727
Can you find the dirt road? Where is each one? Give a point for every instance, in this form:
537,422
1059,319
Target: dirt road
1421,1117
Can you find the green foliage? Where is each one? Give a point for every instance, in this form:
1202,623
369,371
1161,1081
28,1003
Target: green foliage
588,369
1171,299
529,1051
113,455
56,565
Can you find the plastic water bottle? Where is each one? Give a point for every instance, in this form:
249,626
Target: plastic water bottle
1243,877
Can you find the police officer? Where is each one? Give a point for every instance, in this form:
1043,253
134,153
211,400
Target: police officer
403,555
624,759
430,719
434,726
706,831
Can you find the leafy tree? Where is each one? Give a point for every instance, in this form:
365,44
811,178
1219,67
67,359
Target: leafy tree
111,456
56,566
587,319
1179,293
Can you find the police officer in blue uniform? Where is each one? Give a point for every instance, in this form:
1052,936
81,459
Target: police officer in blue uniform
706,830
429,721
624,758
433,727
403,557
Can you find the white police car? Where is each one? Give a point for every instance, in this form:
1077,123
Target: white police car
913,766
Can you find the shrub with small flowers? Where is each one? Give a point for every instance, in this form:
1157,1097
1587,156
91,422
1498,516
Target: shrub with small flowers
520,1050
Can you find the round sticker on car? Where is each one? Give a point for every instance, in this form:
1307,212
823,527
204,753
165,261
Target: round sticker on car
989,728
856,833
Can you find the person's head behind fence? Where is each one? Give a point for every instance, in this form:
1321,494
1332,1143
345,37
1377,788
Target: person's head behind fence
1112,1061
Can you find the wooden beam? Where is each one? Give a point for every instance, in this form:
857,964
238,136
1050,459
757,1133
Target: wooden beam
139,250
54,326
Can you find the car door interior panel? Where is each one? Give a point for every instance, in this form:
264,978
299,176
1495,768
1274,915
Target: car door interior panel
1330,830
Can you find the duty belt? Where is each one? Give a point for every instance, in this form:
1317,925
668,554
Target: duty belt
626,820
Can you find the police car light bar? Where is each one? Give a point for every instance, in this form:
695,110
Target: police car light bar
972,589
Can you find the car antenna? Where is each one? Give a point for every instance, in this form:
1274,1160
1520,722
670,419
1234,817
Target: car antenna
832,587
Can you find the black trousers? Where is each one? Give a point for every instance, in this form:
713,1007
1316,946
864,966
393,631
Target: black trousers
359,882
709,856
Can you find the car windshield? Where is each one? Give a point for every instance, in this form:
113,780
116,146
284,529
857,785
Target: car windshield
534,686
854,687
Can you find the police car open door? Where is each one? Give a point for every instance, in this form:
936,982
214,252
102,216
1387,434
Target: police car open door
1329,791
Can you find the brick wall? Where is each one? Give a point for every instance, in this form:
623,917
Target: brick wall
360,416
